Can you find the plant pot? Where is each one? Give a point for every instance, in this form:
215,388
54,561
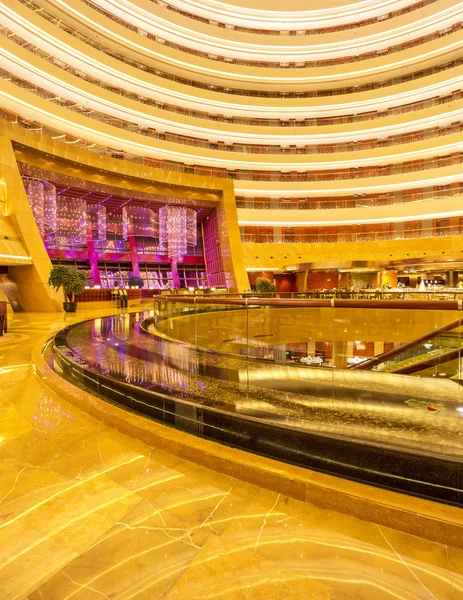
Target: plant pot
70,306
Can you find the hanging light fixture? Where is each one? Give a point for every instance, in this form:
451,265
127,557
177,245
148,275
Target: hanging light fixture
50,208
72,222
97,219
139,220
177,230
42,198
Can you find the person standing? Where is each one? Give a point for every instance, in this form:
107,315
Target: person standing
10,289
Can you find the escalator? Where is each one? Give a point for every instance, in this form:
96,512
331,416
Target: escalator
434,354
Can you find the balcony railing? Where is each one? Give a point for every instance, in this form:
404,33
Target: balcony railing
338,237
228,90
254,121
278,64
298,32
243,175
359,201
350,146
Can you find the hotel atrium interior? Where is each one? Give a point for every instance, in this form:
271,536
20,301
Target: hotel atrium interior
231,300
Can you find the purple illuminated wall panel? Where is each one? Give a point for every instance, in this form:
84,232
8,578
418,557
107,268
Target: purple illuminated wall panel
212,251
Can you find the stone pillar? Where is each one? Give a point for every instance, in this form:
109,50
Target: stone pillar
399,230
93,261
134,256
175,276
389,277
426,227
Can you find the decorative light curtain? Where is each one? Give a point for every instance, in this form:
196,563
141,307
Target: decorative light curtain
72,222
97,219
177,230
42,198
139,220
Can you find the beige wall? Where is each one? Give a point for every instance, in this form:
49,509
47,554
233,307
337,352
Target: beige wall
231,36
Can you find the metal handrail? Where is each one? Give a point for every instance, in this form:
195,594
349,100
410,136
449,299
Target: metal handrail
315,303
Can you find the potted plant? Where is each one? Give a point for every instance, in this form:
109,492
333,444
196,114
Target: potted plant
71,280
263,284
135,281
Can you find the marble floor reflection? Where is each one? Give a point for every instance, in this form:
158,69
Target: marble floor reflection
89,513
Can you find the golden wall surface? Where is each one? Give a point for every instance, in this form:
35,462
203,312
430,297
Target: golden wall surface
277,255
22,145
31,278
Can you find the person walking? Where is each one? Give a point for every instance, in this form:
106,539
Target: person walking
10,289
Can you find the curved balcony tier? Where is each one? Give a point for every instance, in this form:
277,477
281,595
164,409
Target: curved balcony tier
368,163
33,73
298,17
40,32
441,81
297,51
182,17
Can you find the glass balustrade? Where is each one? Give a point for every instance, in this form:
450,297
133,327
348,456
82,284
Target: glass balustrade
327,237
279,377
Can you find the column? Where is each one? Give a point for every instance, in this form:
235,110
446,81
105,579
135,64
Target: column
426,227
389,277
399,230
93,261
174,270
378,348
134,255
277,234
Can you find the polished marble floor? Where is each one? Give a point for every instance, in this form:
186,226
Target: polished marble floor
89,513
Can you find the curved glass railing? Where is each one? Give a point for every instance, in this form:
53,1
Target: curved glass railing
272,377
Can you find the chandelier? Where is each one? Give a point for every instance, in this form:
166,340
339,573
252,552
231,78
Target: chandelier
139,220
97,220
42,198
72,222
177,230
